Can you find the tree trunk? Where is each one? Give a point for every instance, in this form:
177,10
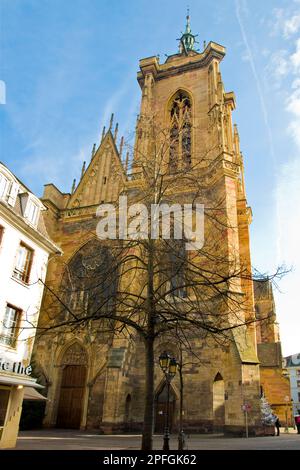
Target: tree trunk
147,438
181,399
181,435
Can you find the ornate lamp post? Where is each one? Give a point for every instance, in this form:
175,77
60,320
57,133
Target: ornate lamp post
168,365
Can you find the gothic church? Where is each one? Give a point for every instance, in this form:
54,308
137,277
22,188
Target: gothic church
95,381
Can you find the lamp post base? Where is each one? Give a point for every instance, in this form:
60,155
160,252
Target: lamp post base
166,445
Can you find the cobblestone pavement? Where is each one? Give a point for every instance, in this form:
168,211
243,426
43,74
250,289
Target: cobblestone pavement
85,440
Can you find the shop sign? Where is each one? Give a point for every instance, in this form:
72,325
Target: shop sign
15,367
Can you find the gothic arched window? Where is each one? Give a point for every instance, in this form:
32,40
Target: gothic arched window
90,279
180,132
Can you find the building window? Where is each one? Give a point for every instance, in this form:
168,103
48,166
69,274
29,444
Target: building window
32,212
4,185
9,325
298,397
298,383
4,398
90,281
104,180
298,372
23,263
180,133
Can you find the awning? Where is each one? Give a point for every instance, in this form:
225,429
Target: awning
15,379
31,394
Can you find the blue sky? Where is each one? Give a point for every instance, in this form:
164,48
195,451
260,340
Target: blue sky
68,64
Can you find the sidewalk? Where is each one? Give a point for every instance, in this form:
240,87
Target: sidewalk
86,440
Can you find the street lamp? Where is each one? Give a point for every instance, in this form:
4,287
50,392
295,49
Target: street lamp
164,360
168,365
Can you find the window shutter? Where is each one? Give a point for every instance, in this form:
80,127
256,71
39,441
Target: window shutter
4,183
13,194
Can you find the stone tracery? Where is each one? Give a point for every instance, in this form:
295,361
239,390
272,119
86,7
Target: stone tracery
180,132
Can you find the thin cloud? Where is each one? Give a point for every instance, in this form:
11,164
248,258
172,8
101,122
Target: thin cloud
287,191
113,102
238,11
287,301
285,21
295,58
278,66
291,26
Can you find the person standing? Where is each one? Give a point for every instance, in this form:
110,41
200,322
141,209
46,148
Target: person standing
277,425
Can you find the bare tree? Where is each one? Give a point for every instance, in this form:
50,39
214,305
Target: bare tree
151,285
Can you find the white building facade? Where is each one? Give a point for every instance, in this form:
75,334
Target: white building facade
25,249
292,364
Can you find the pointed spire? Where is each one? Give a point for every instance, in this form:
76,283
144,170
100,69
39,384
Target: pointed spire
236,140
126,161
73,186
188,26
111,121
187,40
121,146
93,151
83,169
236,132
116,132
103,133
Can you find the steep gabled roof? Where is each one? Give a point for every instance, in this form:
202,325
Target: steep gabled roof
102,180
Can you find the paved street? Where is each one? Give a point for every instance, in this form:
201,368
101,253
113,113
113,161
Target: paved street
78,440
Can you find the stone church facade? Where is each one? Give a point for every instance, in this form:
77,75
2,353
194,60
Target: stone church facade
97,381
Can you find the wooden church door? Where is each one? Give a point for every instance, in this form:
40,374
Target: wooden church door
70,406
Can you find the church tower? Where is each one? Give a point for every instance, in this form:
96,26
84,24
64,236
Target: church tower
96,380
184,104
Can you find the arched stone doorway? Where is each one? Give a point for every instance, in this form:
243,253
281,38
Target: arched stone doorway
219,402
161,409
70,406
